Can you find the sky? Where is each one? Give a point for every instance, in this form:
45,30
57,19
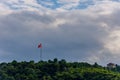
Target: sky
74,30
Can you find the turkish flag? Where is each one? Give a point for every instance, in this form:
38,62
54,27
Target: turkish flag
40,45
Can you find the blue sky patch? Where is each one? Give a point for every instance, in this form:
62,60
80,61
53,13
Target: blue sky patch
54,4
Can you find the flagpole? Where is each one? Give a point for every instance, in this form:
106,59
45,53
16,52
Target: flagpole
40,46
41,54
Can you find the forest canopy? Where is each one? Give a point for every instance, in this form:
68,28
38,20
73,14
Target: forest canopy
56,70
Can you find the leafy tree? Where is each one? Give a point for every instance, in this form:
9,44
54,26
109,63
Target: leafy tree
56,70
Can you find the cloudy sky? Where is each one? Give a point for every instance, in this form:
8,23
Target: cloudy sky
75,30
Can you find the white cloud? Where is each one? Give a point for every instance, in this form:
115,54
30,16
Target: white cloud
105,7
112,42
4,9
69,1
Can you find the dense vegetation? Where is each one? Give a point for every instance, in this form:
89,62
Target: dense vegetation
56,70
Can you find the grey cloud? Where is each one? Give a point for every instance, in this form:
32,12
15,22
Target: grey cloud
78,38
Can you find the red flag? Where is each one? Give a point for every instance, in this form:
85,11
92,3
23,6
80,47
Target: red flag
40,45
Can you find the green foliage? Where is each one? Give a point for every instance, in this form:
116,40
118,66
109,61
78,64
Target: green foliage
56,70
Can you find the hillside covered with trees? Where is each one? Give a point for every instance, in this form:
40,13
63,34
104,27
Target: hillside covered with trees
56,70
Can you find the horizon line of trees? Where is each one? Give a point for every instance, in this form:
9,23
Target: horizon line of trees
56,70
